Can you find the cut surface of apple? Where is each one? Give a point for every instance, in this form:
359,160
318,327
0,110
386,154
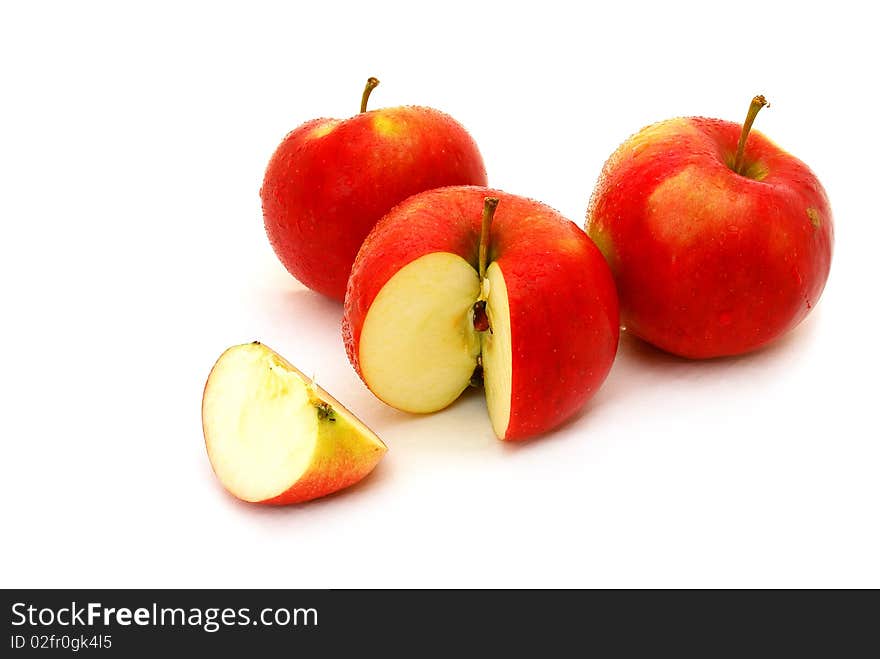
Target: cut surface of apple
273,436
497,352
425,311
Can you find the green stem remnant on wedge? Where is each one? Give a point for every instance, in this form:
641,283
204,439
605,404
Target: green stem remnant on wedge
372,83
325,411
757,103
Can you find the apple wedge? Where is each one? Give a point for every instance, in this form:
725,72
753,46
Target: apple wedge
273,436
464,285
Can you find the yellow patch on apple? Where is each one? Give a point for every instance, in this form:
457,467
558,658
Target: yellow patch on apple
687,205
387,126
323,129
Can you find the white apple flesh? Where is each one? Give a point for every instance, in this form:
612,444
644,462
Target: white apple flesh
426,311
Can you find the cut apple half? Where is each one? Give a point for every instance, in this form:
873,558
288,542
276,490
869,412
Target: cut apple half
273,436
421,345
519,302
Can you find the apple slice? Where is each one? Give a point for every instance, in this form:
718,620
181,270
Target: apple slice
273,436
497,352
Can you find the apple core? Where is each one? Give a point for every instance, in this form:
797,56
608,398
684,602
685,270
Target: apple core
452,322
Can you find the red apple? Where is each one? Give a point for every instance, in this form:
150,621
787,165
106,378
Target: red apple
273,436
331,180
719,240
444,294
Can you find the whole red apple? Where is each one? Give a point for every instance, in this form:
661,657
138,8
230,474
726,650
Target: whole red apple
465,285
331,180
719,240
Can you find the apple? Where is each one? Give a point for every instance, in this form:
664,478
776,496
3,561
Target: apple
273,436
719,240
331,180
465,284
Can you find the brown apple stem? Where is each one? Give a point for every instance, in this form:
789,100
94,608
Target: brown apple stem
372,83
489,205
757,103
480,317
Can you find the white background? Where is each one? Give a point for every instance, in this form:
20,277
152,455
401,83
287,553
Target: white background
132,148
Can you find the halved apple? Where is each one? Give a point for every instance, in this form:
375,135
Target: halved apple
273,436
448,290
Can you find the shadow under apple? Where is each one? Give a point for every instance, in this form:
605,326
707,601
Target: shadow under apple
642,370
374,480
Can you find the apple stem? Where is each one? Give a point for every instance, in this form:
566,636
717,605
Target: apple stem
489,205
754,108
480,318
372,83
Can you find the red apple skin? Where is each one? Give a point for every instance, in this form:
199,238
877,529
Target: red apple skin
563,305
330,472
708,262
330,181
